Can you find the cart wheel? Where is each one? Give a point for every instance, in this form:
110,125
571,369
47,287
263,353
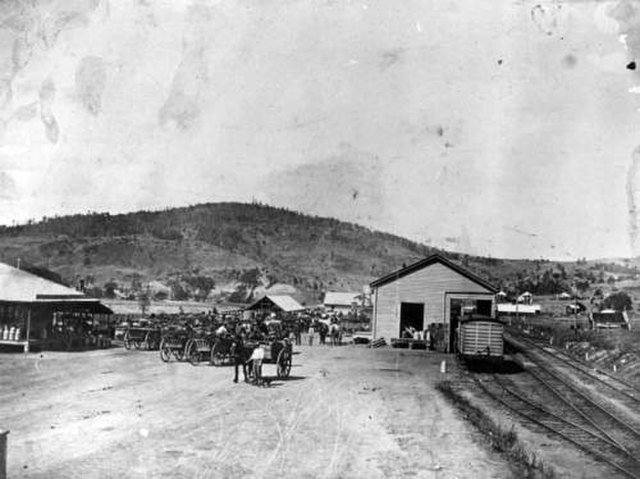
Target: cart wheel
127,341
217,358
165,352
181,352
284,364
193,356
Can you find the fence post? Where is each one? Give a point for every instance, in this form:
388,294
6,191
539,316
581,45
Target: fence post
3,454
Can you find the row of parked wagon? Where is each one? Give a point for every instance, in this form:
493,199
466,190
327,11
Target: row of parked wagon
197,347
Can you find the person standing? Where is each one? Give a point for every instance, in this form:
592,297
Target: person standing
323,333
298,332
238,354
256,363
312,333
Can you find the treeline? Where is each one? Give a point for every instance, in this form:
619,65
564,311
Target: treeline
232,226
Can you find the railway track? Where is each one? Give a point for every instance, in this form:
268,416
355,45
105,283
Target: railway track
561,395
617,384
587,437
618,398
617,416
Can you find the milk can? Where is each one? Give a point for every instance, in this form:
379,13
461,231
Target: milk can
17,337
5,333
12,333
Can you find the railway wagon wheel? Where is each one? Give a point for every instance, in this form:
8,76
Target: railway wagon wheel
284,363
217,356
165,351
127,341
193,355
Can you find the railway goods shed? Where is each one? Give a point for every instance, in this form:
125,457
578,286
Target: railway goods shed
429,294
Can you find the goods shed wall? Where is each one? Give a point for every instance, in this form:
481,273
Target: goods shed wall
427,286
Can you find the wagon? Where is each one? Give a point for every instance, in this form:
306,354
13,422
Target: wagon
199,349
138,338
221,351
278,352
481,339
174,344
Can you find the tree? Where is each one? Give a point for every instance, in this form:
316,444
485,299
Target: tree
110,289
582,285
619,301
200,286
160,296
177,291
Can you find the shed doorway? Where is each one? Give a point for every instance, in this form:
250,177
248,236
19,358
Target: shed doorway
411,315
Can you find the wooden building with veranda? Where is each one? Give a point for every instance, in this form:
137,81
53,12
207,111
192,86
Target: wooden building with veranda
38,312
429,294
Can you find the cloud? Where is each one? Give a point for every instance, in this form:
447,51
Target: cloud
347,184
7,186
91,79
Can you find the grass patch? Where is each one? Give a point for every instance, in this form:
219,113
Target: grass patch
504,441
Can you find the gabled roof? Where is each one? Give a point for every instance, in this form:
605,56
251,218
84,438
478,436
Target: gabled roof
285,303
19,285
428,261
333,298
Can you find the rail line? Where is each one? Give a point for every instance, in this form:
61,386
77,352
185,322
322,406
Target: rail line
615,383
593,442
604,416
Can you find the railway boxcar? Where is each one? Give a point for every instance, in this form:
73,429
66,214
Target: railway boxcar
481,338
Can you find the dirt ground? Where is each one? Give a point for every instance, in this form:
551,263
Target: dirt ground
345,412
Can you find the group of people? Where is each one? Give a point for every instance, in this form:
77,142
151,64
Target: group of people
432,337
325,328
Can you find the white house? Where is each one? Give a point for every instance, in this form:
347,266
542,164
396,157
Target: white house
341,302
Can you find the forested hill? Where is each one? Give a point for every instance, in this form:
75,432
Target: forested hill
222,244
236,250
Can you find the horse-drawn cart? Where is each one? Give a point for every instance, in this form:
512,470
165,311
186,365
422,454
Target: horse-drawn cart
199,348
174,344
278,352
221,352
138,338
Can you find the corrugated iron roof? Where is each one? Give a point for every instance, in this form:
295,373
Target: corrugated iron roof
285,303
434,258
333,298
19,285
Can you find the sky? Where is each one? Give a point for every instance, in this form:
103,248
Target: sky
503,128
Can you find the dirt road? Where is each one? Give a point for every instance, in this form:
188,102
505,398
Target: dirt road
345,412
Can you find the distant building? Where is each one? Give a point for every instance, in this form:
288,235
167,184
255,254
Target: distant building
525,298
518,309
341,302
431,292
274,304
32,307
